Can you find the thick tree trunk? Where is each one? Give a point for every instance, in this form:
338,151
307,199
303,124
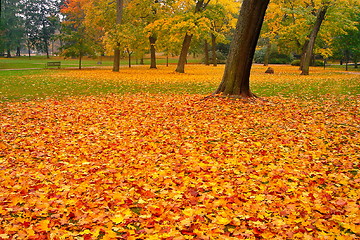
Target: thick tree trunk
152,40
183,54
119,11
206,53
213,50
116,66
303,53
309,50
235,80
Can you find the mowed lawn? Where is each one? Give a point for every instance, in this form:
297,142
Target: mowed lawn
143,154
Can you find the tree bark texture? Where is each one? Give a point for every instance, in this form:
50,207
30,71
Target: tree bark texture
119,11
116,66
129,58
152,40
183,54
206,53
303,53
80,60
213,50
310,47
236,76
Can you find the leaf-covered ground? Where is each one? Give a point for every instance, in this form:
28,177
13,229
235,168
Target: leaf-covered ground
286,82
178,166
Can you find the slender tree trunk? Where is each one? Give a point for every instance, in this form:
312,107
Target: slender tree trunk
119,10
47,49
347,57
18,52
129,57
213,50
206,53
183,54
355,58
80,60
309,51
152,40
167,59
235,80
267,53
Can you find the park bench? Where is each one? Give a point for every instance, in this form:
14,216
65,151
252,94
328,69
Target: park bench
53,64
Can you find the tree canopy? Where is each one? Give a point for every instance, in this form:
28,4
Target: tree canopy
175,27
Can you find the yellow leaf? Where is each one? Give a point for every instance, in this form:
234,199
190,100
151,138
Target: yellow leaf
260,197
110,235
44,225
222,220
118,219
188,212
30,232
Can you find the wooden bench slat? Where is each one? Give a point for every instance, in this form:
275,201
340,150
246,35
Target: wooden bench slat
53,64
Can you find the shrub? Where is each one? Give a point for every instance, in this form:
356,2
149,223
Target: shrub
295,63
316,63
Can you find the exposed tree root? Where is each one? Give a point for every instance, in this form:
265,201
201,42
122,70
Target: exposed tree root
245,99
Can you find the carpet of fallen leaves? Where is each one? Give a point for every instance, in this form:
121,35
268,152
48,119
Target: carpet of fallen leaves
175,166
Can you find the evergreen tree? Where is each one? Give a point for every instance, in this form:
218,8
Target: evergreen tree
41,19
11,27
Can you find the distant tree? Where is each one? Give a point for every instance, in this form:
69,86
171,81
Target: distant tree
310,43
11,28
270,31
222,19
141,13
117,51
75,38
308,27
235,80
347,45
199,7
41,20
